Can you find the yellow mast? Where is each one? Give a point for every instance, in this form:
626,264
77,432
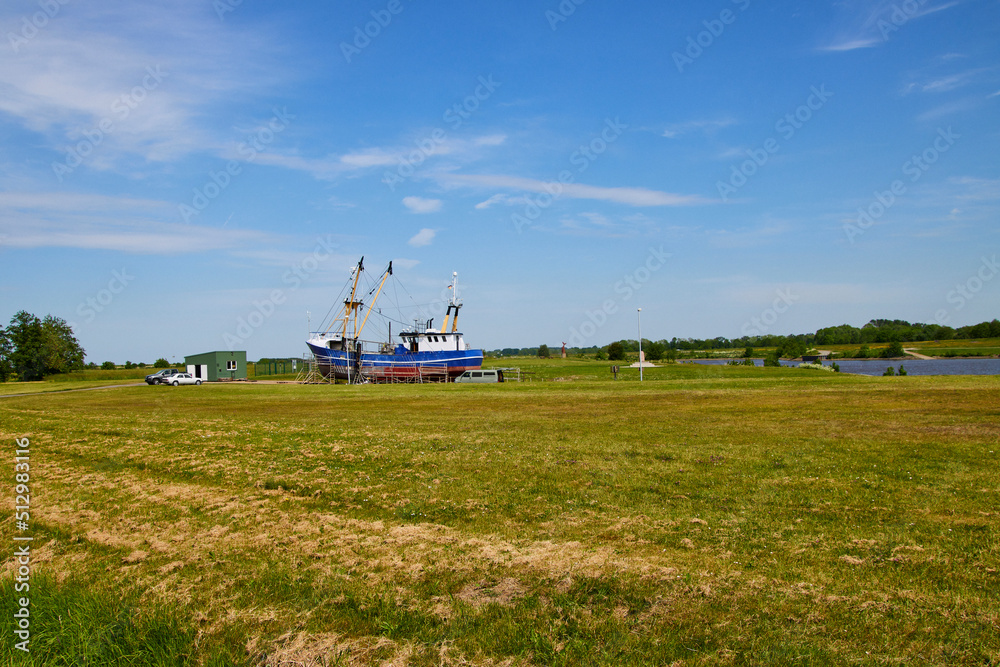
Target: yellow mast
351,306
385,276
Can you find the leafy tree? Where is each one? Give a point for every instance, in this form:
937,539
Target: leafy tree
616,352
34,348
773,358
161,363
748,353
654,351
129,365
27,340
6,349
108,366
60,349
543,351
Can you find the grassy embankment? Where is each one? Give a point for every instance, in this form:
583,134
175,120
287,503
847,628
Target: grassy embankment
712,515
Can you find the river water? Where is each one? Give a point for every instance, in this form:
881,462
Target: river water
913,366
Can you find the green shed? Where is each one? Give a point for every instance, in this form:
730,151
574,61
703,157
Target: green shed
215,366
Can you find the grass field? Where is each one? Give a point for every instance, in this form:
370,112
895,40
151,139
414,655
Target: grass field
710,515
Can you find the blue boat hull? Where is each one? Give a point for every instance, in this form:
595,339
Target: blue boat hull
399,366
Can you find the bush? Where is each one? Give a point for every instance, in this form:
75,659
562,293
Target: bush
772,359
161,363
108,366
616,352
889,372
543,351
894,350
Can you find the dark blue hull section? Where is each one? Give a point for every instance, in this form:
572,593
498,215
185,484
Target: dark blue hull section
451,363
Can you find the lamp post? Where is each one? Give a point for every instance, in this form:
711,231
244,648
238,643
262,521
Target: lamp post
639,324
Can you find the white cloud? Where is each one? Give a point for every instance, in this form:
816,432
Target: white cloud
852,44
501,199
628,196
490,140
375,157
421,205
707,126
422,238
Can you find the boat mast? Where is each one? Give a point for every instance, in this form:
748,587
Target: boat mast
454,304
385,276
350,305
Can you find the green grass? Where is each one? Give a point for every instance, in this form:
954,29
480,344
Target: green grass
710,515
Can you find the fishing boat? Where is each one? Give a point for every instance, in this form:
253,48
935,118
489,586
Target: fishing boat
423,352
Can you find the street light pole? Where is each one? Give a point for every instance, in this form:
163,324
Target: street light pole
639,324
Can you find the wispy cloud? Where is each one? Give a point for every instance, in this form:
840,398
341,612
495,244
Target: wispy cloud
873,23
707,126
421,205
598,225
501,198
150,99
943,83
96,222
619,195
390,157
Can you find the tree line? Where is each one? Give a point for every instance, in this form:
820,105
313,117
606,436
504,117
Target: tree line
789,346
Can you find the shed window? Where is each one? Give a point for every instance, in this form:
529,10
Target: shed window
230,365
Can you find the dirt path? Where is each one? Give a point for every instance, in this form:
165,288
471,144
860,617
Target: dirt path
66,391
915,355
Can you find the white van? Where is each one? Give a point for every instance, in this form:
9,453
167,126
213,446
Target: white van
481,376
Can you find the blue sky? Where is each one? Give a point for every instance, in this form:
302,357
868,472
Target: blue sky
731,167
